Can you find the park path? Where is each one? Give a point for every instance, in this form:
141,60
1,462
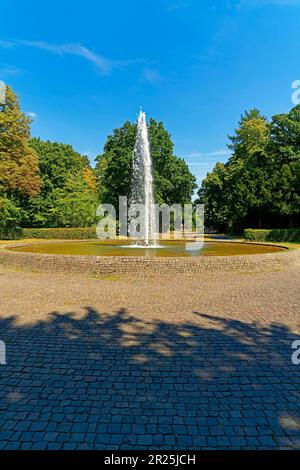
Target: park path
192,362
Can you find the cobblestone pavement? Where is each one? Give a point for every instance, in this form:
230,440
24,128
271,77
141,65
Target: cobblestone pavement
200,362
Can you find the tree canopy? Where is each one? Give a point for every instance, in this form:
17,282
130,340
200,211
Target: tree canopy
19,174
49,184
18,161
259,186
68,196
173,181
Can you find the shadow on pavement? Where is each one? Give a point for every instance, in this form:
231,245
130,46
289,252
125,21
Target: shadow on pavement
116,382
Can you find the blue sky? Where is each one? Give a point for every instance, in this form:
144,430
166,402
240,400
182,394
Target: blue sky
83,68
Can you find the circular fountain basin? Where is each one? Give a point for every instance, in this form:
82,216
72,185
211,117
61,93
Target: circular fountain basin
164,249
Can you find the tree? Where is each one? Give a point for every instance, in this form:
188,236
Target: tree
260,184
285,150
285,136
248,171
68,194
252,135
213,195
9,213
75,204
114,167
173,182
19,176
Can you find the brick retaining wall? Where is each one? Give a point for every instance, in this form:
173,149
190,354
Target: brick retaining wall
112,265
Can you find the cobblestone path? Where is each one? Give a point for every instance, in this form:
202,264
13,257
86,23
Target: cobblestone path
185,363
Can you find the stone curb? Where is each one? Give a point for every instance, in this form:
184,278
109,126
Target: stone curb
112,265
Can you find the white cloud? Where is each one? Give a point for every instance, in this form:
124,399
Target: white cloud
5,44
151,75
179,5
102,64
10,71
32,115
212,58
215,153
261,3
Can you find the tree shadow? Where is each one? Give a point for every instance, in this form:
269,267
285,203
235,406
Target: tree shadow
118,382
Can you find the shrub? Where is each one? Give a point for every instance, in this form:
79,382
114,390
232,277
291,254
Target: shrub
274,235
9,213
61,233
9,220
10,233
255,235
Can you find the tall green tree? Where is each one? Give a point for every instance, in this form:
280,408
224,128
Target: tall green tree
248,170
285,150
259,186
68,195
173,182
285,136
213,194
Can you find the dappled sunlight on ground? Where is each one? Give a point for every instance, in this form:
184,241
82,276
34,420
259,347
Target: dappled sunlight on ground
76,382
174,362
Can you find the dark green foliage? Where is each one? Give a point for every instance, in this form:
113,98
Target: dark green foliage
60,233
10,233
42,184
173,181
9,220
68,195
9,213
274,235
49,184
259,186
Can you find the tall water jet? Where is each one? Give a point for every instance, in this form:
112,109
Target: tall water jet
142,184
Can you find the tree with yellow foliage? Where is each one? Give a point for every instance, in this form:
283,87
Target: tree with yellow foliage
19,175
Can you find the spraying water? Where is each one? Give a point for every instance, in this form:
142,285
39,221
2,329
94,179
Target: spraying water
142,183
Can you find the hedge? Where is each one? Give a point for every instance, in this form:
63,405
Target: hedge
64,233
273,235
10,233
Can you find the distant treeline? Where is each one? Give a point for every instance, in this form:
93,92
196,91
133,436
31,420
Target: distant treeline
49,184
259,186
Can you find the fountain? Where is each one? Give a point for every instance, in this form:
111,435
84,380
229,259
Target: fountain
142,187
143,222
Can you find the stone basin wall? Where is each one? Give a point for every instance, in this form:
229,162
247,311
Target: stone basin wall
115,265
